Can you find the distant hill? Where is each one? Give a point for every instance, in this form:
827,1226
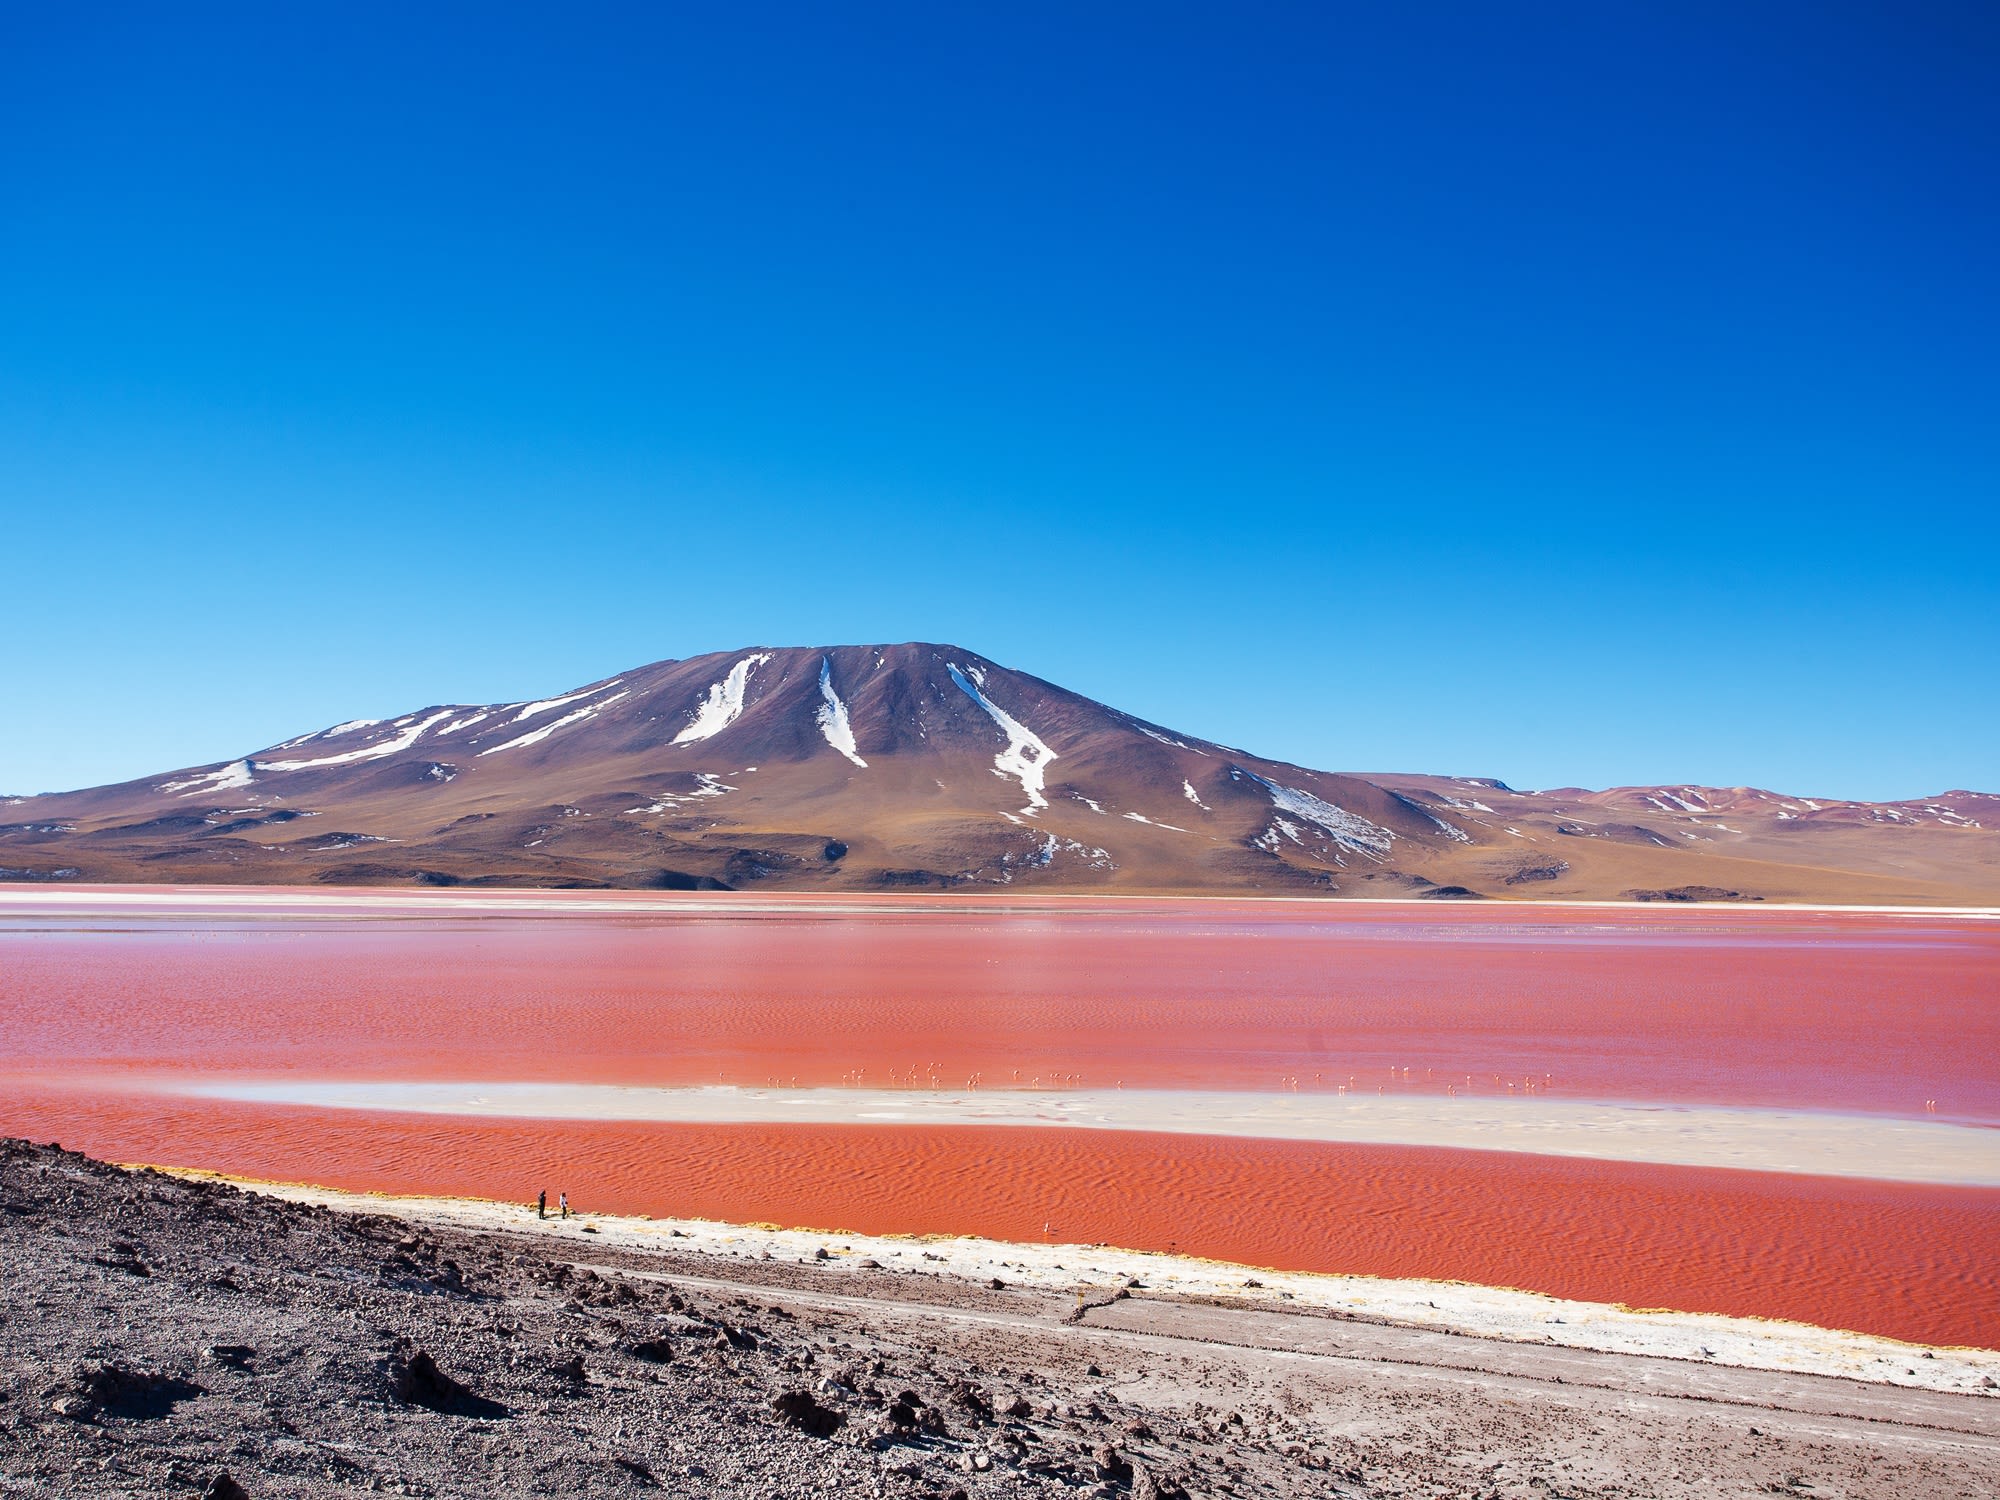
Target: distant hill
928,767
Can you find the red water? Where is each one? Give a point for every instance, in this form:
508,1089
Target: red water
1829,1011
1917,1263
1836,1011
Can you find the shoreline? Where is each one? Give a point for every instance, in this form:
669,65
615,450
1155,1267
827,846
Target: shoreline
1882,1148
548,898
1096,1274
168,1330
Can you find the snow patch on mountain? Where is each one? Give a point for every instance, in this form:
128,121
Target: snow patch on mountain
833,716
1045,854
326,734
1165,739
724,703
1349,830
1451,801
1187,790
536,736
543,705
1142,818
1449,830
1026,757
376,751
707,784
466,723
333,843
224,779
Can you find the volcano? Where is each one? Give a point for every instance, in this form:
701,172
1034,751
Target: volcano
929,767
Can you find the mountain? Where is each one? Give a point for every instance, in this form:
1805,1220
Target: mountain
927,767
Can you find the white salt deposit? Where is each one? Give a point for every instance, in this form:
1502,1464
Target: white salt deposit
1495,1313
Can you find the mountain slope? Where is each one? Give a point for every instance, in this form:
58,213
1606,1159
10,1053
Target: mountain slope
930,767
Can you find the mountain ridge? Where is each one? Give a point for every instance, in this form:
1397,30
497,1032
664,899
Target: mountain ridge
926,765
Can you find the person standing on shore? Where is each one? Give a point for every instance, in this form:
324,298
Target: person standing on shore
562,1200
542,1204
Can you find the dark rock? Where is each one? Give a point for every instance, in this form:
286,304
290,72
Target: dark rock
909,1412
222,1487
419,1382
638,1470
900,879
104,1388
1688,893
971,1398
799,1409
1112,1466
123,1256
235,1356
681,880
1553,870
1147,1485
658,1351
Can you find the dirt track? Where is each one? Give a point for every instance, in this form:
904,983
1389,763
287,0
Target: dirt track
155,1332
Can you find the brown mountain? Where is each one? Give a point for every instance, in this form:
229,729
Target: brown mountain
930,767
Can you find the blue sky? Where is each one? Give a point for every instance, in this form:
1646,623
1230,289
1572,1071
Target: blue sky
1575,394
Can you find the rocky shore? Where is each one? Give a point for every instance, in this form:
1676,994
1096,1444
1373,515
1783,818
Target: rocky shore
167,1336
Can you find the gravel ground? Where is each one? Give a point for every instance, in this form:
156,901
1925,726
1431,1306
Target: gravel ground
167,1336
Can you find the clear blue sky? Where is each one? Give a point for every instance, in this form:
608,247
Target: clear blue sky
1573,393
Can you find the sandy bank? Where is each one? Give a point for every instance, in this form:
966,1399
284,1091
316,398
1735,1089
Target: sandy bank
1766,1140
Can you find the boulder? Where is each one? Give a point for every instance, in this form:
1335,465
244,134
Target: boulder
418,1381
103,1388
799,1409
